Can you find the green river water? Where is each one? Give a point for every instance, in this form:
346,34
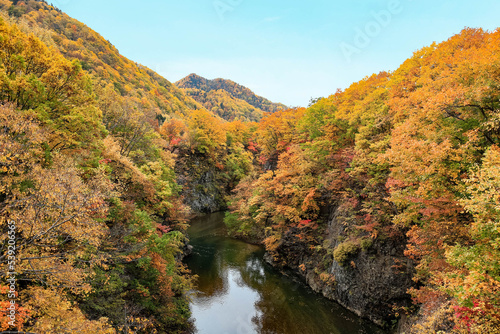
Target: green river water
239,293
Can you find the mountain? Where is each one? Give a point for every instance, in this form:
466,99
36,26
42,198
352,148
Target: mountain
227,99
101,162
80,127
76,41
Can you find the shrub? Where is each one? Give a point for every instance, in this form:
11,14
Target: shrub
345,250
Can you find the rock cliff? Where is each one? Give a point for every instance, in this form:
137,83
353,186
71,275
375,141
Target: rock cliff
204,187
371,282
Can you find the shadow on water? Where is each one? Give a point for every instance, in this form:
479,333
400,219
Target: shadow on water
239,293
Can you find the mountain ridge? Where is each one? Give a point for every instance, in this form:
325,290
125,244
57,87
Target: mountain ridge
98,56
227,98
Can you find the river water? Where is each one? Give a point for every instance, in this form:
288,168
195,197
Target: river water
239,293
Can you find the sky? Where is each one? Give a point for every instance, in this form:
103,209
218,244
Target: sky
288,51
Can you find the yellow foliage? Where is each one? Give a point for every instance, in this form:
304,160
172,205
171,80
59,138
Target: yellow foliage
52,313
207,131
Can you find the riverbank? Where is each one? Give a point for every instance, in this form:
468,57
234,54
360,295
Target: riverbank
238,292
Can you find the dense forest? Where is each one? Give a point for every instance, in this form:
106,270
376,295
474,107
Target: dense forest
410,157
94,149
393,183
227,99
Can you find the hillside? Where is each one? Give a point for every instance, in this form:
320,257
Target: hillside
227,99
87,181
98,56
383,196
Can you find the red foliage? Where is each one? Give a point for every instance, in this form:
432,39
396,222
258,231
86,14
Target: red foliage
262,160
219,166
252,146
465,315
163,229
175,141
392,184
304,223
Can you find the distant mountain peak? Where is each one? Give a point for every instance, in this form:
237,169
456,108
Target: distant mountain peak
194,75
227,98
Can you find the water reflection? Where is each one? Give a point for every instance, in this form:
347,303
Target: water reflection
238,293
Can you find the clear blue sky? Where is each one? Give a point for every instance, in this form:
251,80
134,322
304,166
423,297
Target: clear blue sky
287,51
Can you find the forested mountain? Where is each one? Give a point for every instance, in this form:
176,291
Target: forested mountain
227,99
98,56
384,196
391,185
87,181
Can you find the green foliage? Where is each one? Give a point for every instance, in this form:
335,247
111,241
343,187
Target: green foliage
238,163
345,250
32,76
109,290
232,224
207,132
16,11
366,243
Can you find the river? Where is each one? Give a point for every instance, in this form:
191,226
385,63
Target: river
239,293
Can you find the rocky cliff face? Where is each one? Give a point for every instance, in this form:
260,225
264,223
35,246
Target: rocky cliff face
371,282
204,188
202,194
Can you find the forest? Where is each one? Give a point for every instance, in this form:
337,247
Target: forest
227,99
410,155
103,162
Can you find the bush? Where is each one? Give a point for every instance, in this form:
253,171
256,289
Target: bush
231,221
366,243
345,250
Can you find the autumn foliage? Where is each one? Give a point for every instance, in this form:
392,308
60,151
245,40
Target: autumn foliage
89,182
413,152
96,152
